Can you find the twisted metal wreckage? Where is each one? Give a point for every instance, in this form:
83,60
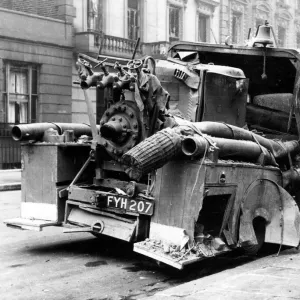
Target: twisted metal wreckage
209,166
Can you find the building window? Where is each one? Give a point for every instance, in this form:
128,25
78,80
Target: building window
236,28
21,93
175,23
298,40
259,22
203,28
132,19
281,36
93,15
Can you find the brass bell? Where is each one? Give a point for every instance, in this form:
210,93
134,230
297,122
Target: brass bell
263,35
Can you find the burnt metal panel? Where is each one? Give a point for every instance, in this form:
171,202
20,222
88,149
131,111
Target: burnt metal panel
179,194
242,174
182,84
225,99
82,194
110,226
47,166
266,199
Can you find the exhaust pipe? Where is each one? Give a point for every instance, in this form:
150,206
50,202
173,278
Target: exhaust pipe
35,131
195,146
278,149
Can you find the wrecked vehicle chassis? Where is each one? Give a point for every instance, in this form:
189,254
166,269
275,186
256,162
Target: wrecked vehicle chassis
217,204
224,199
179,164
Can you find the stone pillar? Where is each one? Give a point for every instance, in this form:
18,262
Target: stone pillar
65,10
224,20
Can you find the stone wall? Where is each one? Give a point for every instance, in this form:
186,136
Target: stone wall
45,8
55,70
47,44
56,9
79,109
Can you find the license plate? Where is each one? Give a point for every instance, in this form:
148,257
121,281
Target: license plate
138,206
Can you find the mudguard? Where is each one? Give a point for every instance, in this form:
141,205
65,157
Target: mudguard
266,199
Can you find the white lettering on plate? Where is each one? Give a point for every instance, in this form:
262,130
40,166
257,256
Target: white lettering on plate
141,206
109,199
132,205
123,203
117,200
148,206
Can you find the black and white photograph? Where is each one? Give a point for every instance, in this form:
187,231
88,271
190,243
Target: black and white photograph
149,149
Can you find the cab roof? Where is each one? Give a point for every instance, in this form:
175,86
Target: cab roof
233,49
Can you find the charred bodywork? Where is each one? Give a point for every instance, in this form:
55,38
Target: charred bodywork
189,163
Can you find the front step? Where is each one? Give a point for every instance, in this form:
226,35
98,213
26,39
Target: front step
29,224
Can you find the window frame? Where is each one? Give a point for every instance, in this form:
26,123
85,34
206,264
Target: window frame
180,22
239,17
298,40
136,30
9,65
261,22
279,27
93,16
207,27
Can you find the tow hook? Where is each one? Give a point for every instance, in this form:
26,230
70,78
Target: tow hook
98,226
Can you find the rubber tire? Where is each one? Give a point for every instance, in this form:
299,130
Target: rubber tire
259,226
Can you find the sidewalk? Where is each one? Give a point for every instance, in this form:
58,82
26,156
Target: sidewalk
272,277
10,180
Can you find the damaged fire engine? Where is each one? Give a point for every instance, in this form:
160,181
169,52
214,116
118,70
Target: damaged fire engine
192,156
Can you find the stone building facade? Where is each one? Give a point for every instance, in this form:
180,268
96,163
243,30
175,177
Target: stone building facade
36,56
238,16
36,59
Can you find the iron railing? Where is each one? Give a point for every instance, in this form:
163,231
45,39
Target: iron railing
158,50
117,45
91,41
10,150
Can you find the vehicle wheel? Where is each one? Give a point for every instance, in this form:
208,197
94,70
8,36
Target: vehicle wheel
259,225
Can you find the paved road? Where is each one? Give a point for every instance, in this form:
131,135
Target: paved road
53,265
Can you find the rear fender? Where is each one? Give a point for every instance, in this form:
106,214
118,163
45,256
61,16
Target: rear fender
266,199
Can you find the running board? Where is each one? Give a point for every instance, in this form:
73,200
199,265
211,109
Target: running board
178,263
29,224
